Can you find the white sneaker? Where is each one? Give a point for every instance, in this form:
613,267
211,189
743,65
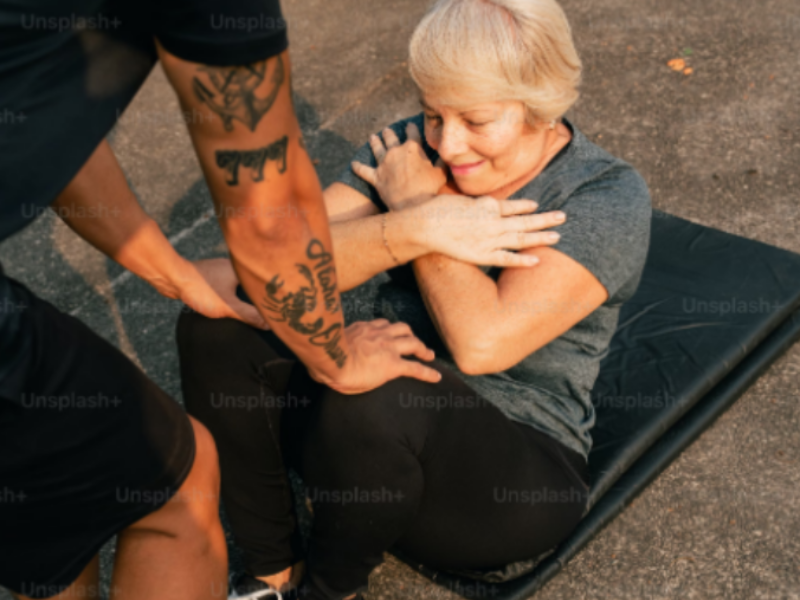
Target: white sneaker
247,587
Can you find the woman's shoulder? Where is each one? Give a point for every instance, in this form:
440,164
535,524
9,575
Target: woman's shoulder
592,162
608,209
587,171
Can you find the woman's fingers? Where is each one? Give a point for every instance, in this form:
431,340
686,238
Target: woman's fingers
533,222
527,221
366,172
520,240
390,138
412,133
517,207
511,259
378,148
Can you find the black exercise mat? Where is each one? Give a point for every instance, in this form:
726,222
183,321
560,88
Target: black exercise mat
712,312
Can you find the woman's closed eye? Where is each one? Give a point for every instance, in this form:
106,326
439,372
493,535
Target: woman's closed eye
433,118
436,121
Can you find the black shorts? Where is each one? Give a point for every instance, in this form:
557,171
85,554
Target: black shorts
88,444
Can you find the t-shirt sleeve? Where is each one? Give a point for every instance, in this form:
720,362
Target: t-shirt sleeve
608,229
364,155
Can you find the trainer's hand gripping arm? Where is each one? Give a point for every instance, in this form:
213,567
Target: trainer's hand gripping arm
99,206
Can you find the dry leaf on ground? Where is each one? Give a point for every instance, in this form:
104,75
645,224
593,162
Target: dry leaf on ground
677,64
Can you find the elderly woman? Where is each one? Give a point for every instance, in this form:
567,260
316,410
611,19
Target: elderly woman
487,466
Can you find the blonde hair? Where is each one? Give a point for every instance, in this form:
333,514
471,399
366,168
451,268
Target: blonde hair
498,50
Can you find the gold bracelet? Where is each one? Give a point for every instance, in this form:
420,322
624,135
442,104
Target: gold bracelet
385,241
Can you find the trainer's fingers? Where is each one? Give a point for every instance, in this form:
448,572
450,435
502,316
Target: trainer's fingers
412,345
390,138
248,314
380,322
366,173
517,207
400,329
411,368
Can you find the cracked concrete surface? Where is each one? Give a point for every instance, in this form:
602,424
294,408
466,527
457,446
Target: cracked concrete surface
720,147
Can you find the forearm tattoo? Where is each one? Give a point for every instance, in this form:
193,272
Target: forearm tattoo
292,307
254,160
232,91
326,273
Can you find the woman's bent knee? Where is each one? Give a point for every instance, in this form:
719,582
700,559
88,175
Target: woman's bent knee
380,414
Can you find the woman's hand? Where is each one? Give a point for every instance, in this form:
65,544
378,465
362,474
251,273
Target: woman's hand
404,176
210,289
481,230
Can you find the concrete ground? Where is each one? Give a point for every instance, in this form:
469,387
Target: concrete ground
720,147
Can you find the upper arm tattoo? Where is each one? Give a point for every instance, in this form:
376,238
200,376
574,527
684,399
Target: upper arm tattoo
234,91
254,160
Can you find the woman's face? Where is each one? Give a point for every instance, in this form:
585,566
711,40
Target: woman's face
485,146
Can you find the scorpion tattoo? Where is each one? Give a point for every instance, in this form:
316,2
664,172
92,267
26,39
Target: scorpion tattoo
293,306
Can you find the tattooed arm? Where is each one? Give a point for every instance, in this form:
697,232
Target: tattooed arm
270,208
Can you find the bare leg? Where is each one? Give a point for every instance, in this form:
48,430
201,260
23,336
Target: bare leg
85,587
179,551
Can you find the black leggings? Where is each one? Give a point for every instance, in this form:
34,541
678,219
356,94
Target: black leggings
430,469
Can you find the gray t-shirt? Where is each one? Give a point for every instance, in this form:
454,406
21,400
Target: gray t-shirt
607,230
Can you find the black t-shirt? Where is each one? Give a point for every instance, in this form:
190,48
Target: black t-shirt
68,70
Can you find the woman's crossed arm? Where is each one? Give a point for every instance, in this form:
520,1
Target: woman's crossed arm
488,326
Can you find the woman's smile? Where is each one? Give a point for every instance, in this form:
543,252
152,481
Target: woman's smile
465,168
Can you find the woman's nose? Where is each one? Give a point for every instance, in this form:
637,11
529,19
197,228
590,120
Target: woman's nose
451,142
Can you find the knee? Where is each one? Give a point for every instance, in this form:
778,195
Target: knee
378,414
193,511
198,498
205,473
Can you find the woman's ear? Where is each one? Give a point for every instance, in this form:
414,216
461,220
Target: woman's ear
533,122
